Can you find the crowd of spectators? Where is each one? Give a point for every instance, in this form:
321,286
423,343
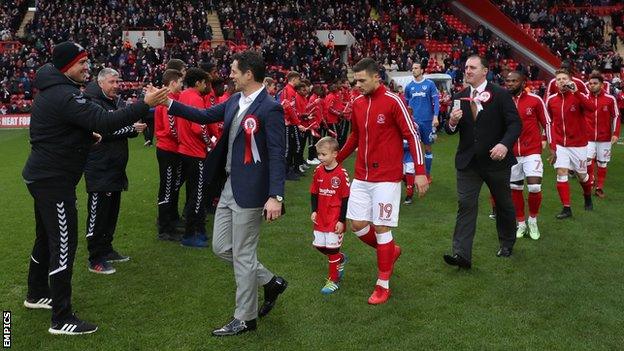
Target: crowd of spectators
396,33
577,37
11,14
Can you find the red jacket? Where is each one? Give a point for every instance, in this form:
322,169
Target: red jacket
165,127
533,114
301,102
314,109
213,131
288,101
210,99
603,122
379,124
224,97
335,107
553,89
567,111
193,136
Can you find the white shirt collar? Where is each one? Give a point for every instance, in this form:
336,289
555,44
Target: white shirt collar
479,89
248,100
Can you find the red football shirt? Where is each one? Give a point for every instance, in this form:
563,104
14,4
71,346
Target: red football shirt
331,186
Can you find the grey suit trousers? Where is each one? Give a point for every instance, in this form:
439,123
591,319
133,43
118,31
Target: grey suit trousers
235,239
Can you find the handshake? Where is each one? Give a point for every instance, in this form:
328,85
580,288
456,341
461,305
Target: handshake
154,96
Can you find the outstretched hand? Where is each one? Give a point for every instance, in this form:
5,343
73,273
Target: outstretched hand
154,96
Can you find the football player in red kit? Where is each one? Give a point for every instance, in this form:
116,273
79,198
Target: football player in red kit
528,152
567,109
603,130
169,160
329,196
379,124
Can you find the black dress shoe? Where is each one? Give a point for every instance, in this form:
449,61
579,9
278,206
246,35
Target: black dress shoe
457,260
272,290
589,205
504,252
566,212
235,327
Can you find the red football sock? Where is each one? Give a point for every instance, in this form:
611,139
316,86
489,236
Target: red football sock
385,255
535,201
334,261
517,196
602,175
368,236
563,188
587,187
409,184
590,171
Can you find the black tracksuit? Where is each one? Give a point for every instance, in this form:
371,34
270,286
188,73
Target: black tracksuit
105,177
60,136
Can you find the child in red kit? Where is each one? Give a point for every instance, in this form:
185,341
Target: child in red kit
329,197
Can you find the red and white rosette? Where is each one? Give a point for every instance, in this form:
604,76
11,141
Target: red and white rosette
484,97
251,125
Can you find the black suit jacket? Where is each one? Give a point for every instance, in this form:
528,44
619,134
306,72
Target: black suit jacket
498,122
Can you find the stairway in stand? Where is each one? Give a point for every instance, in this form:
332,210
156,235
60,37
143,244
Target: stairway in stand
215,24
27,18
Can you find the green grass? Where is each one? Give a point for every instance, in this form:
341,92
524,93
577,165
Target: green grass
563,292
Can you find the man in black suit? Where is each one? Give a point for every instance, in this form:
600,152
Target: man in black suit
487,120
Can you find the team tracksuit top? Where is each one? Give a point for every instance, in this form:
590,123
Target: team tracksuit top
603,122
165,127
335,107
379,124
288,101
193,136
533,113
567,111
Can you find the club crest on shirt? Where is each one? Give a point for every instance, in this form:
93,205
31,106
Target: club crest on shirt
424,87
572,108
335,182
381,119
529,111
605,108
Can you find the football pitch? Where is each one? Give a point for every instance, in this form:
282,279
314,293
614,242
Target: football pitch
562,292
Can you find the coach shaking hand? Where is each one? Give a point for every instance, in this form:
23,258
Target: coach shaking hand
62,123
488,124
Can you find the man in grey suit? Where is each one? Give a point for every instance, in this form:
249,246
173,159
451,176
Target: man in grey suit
249,161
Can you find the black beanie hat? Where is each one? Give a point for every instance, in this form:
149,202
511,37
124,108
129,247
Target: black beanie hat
66,54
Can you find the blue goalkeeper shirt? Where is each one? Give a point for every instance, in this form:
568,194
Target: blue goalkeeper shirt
424,99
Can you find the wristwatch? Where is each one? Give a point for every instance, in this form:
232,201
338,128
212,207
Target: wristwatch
278,198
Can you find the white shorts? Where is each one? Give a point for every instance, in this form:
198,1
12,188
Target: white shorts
527,166
376,202
600,150
408,168
329,240
573,158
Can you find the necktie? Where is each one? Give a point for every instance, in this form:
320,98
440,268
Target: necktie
473,105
